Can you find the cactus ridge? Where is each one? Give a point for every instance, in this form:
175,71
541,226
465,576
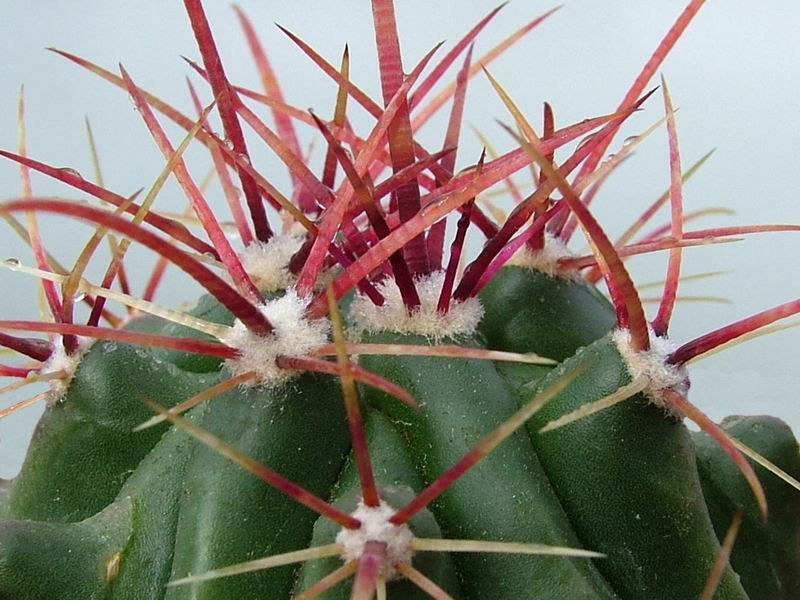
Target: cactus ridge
351,411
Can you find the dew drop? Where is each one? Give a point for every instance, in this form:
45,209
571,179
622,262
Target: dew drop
231,231
630,140
243,157
133,101
585,141
228,144
610,157
79,297
70,171
12,263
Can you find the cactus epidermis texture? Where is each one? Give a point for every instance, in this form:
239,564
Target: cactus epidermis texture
353,411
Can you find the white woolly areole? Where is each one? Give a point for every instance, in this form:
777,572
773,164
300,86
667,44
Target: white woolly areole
292,335
653,364
59,360
546,259
268,263
461,318
375,527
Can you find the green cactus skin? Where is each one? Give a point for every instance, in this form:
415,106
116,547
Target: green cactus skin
215,513
87,438
628,481
208,309
186,515
5,487
227,515
156,488
85,447
608,487
64,560
529,311
766,555
398,481
462,400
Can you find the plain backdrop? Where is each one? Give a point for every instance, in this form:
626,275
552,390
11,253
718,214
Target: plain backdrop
735,77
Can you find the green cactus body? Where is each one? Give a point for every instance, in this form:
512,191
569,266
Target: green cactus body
209,309
155,489
462,400
227,515
85,447
193,514
766,555
81,557
608,468
180,511
606,486
529,311
399,481
5,487
526,310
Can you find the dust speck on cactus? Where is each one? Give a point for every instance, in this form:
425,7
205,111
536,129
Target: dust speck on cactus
358,406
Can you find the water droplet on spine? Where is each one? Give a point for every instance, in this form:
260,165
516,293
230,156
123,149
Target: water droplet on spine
585,141
630,140
12,263
230,229
79,297
70,171
228,143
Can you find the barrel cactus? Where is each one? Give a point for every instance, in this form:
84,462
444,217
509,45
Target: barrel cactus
354,409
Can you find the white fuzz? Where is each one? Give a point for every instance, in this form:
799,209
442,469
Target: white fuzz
375,527
59,360
653,364
267,263
462,318
293,335
546,260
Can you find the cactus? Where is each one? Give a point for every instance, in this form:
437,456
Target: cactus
347,413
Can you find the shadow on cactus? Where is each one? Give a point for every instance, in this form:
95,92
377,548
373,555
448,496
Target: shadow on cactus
356,408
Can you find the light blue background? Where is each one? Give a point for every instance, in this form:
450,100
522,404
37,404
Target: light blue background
735,77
